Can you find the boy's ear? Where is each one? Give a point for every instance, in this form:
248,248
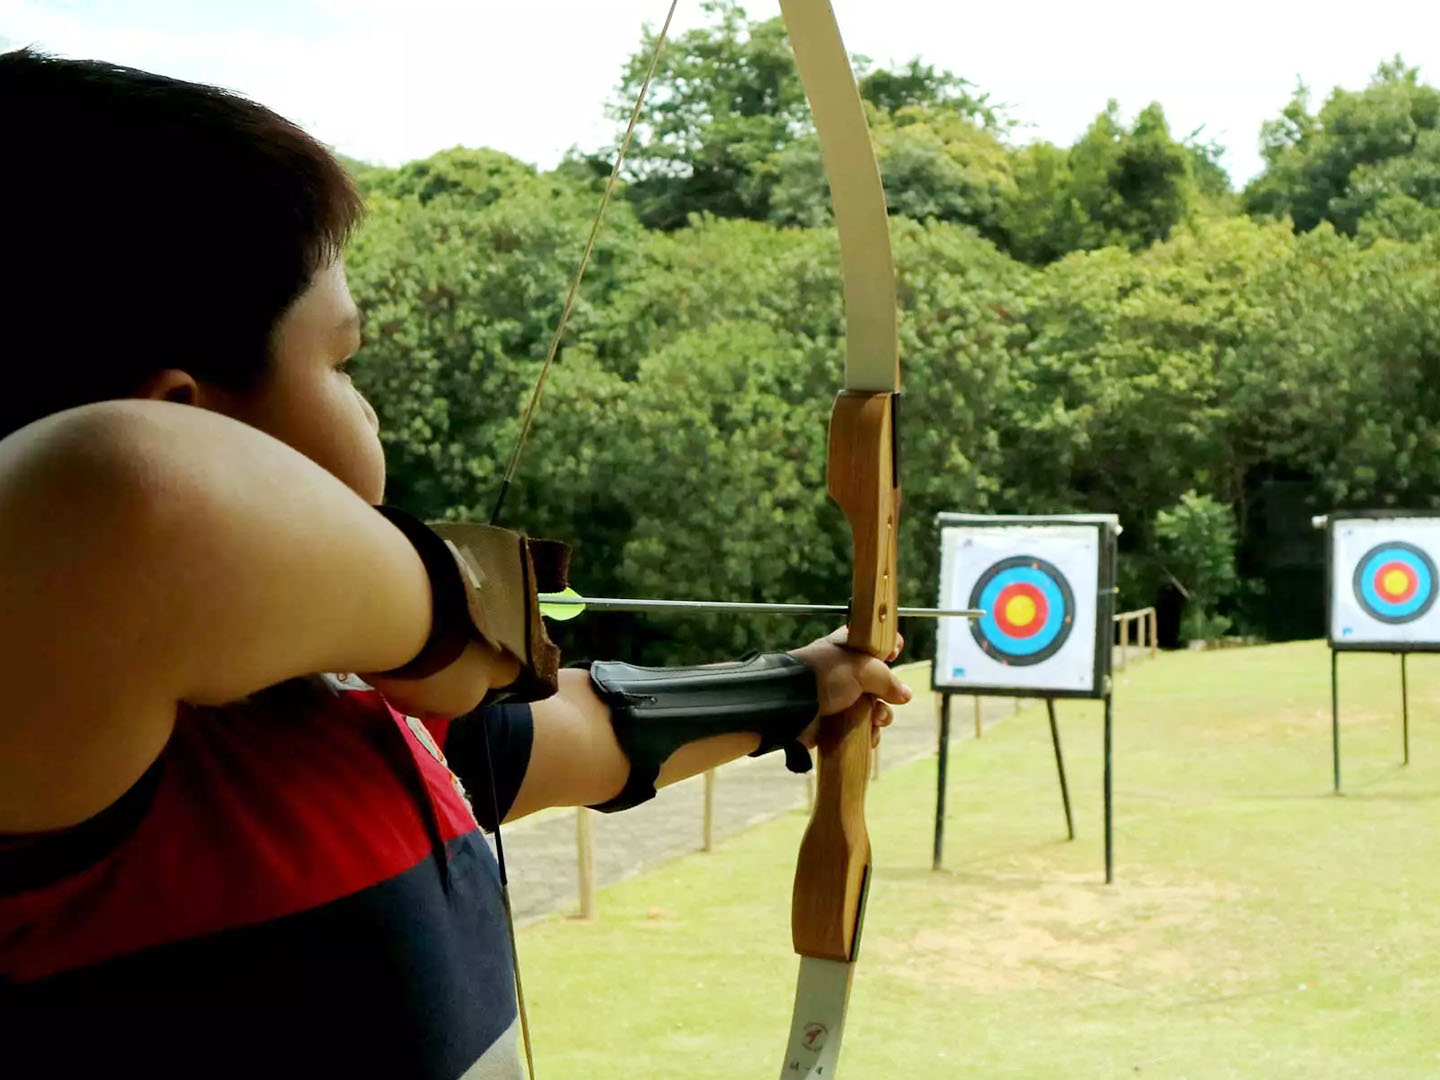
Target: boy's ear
171,384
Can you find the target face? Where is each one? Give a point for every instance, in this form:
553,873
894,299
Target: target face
1395,582
1383,581
1029,610
1044,585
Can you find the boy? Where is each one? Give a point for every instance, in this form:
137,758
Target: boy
213,860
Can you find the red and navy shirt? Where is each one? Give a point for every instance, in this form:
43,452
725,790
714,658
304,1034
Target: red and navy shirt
296,887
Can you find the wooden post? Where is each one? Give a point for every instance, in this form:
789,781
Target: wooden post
707,837
1154,633
585,861
979,725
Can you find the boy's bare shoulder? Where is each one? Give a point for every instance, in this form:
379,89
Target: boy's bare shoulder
74,462
84,715
154,553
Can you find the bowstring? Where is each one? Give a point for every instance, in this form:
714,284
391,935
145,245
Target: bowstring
528,417
513,466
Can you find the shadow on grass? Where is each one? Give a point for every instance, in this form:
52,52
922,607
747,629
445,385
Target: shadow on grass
1390,796
1207,1000
967,870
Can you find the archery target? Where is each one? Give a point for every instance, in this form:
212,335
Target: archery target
1383,582
1395,582
1029,610
1038,582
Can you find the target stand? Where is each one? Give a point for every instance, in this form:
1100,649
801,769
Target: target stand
1381,583
1047,587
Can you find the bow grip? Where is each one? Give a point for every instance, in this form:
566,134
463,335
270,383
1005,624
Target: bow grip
833,868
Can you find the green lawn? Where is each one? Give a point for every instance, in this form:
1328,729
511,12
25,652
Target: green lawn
1259,926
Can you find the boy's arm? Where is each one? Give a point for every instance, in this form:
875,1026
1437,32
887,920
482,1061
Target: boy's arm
576,760
153,553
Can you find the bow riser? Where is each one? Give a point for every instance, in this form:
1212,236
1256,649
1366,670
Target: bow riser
834,855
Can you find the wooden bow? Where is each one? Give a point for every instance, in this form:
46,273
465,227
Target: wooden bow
832,873
834,862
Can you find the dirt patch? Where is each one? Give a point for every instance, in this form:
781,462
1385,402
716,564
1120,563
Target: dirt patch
1012,932
1293,722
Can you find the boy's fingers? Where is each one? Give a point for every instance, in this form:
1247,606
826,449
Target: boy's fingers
879,681
899,648
881,716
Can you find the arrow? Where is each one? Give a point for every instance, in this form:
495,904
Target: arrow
566,605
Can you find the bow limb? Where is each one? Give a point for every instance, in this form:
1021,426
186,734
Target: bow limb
832,872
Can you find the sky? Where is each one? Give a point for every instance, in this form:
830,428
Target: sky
389,81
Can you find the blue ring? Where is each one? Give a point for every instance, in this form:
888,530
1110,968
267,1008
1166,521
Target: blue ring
1059,619
1054,609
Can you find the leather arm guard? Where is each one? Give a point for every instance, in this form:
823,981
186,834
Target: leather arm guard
657,710
485,583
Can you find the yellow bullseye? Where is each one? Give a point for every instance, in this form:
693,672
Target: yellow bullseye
1395,582
1020,610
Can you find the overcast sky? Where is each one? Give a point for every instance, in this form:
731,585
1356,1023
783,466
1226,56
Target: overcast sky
393,80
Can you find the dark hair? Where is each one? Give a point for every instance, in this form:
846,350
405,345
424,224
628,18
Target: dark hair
148,223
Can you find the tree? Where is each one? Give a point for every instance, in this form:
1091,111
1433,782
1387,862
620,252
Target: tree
917,85
459,307
727,132
463,177
725,98
1114,187
1360,149
1083,329
1132,187
1197,542
1041,221
935,163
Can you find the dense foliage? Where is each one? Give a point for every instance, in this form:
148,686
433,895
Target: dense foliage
1103,327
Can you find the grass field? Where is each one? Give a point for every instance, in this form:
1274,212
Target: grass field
1259,926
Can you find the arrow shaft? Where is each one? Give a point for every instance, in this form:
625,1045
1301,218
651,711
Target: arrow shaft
739,607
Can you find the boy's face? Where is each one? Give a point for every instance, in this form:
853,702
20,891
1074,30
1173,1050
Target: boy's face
307,400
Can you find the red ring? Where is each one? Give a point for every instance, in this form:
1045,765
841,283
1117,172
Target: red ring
1018,630
1412,582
